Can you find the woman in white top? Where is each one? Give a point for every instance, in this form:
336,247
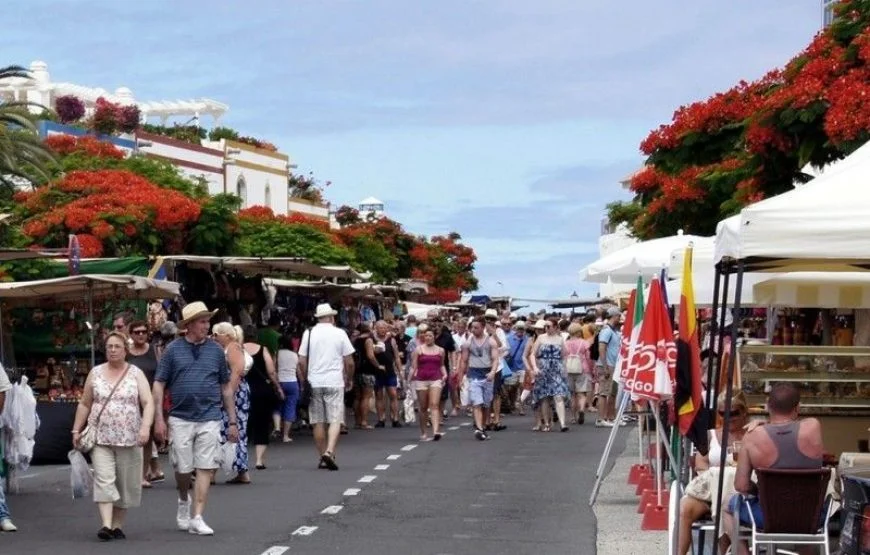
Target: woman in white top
240,363
288,362
696,502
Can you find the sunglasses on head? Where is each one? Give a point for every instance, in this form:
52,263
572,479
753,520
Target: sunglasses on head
734,412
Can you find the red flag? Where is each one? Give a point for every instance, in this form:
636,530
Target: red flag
688,394
654,356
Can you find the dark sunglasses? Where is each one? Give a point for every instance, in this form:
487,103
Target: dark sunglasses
735,412
139,332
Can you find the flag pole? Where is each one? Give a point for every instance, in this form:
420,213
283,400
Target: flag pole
599,474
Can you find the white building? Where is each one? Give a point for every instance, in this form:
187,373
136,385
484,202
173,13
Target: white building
258,176
40,90
371,208
828,12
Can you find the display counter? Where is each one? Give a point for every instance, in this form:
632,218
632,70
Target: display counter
834,383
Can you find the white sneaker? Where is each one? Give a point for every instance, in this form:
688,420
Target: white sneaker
603,424
7,526
199,527
182,519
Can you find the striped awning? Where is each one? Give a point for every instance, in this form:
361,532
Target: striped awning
815,290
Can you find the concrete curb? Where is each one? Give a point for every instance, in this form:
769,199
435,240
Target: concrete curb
615,510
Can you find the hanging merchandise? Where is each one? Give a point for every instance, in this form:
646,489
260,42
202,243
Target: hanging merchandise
19,423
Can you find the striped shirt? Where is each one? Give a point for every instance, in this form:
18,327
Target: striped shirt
194,374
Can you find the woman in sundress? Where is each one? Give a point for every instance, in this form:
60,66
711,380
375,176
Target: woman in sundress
240,363
549,369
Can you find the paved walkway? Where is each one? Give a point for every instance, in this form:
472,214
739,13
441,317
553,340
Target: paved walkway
619,530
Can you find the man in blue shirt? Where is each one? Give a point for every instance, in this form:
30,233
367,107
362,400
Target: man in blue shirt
517,340
194,370
609,342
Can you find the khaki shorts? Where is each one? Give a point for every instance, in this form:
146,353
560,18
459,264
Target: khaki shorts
117,475
327,405
424,385
194,445
607,387
579,383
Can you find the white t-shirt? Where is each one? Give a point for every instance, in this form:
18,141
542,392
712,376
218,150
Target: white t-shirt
329,346
5,384
287,361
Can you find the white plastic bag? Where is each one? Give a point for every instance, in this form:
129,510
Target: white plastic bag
227,456
463,393
408,403
80,475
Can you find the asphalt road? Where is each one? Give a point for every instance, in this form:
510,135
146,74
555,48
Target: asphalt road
519,493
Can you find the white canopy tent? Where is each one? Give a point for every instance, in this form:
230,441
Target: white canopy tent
646,259
814,289
822,226
265,265
420,310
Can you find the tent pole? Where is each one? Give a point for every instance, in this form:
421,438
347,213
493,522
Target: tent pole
720,340
92,330
714,332
2,340
729,391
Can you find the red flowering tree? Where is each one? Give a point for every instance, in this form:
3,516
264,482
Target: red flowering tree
113,213
752,141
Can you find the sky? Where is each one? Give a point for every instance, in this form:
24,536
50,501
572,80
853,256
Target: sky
511,122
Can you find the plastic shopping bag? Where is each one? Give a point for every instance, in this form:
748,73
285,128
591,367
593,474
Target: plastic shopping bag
227,456
80,475
463,393
408,403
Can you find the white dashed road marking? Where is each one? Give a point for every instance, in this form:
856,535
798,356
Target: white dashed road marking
304,531
409,447
394,457
351,492
332,510
382,467
367,479
454,428
466,424
275,550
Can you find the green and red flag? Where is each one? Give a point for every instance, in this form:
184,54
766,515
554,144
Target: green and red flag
630,331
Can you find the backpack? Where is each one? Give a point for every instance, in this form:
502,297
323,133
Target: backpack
573,362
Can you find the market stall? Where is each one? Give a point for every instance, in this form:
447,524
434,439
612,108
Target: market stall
58,323
646,259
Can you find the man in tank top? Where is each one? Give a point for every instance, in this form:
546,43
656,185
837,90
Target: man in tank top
785,441
480,362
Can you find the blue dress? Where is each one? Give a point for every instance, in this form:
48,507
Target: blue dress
551,381
243,408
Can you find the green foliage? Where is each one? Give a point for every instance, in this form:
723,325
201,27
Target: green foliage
187,133
280,239
374,257
219,133
216,232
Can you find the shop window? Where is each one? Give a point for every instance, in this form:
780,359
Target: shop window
268,195
242,190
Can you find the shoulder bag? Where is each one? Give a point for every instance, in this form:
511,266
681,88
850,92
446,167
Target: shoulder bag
305,391
88,437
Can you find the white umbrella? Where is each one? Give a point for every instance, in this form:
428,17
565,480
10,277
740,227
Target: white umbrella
645,259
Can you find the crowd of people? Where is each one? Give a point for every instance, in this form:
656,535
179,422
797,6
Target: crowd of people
216,388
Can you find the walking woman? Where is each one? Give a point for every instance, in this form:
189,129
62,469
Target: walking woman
117,403
429,375
266,394
240,364
364,376
143,355
549,366
288,361
579,366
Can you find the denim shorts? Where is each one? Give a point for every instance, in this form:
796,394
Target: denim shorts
480,392
386,380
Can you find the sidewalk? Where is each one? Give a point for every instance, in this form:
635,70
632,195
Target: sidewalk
619,530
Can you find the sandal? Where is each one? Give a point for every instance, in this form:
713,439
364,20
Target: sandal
146,484
329,460
155,477
239,481
536,429
546,429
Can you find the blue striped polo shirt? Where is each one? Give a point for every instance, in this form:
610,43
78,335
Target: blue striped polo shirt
194,374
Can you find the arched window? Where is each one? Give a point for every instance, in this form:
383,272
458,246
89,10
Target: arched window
242,190
268,195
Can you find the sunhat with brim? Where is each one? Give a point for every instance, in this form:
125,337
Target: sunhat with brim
194,311
324,310
541,325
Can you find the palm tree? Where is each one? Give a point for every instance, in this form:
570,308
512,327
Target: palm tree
24,160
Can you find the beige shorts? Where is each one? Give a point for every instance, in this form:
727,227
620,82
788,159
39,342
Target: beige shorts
327,405
194,445
579,383
424,385
607,386
117,475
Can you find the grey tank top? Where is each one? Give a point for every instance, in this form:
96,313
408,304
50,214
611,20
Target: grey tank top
785,437
479,355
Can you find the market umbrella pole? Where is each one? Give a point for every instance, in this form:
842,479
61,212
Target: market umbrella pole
720,340
729,391
714,327
91,330
599,474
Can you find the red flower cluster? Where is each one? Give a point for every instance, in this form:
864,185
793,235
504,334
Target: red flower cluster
90,146
261,214
848,117
107,204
